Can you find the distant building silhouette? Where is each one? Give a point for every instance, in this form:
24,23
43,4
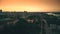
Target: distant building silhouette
0,11
25,11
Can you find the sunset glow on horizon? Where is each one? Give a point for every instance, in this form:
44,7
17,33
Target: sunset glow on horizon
30,5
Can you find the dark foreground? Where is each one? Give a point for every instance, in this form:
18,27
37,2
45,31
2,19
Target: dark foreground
29,23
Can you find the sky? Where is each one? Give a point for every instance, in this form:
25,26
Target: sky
30,5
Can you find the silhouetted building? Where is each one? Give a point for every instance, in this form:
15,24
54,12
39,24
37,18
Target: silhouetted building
0,11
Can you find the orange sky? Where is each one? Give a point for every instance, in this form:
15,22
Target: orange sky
30,5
